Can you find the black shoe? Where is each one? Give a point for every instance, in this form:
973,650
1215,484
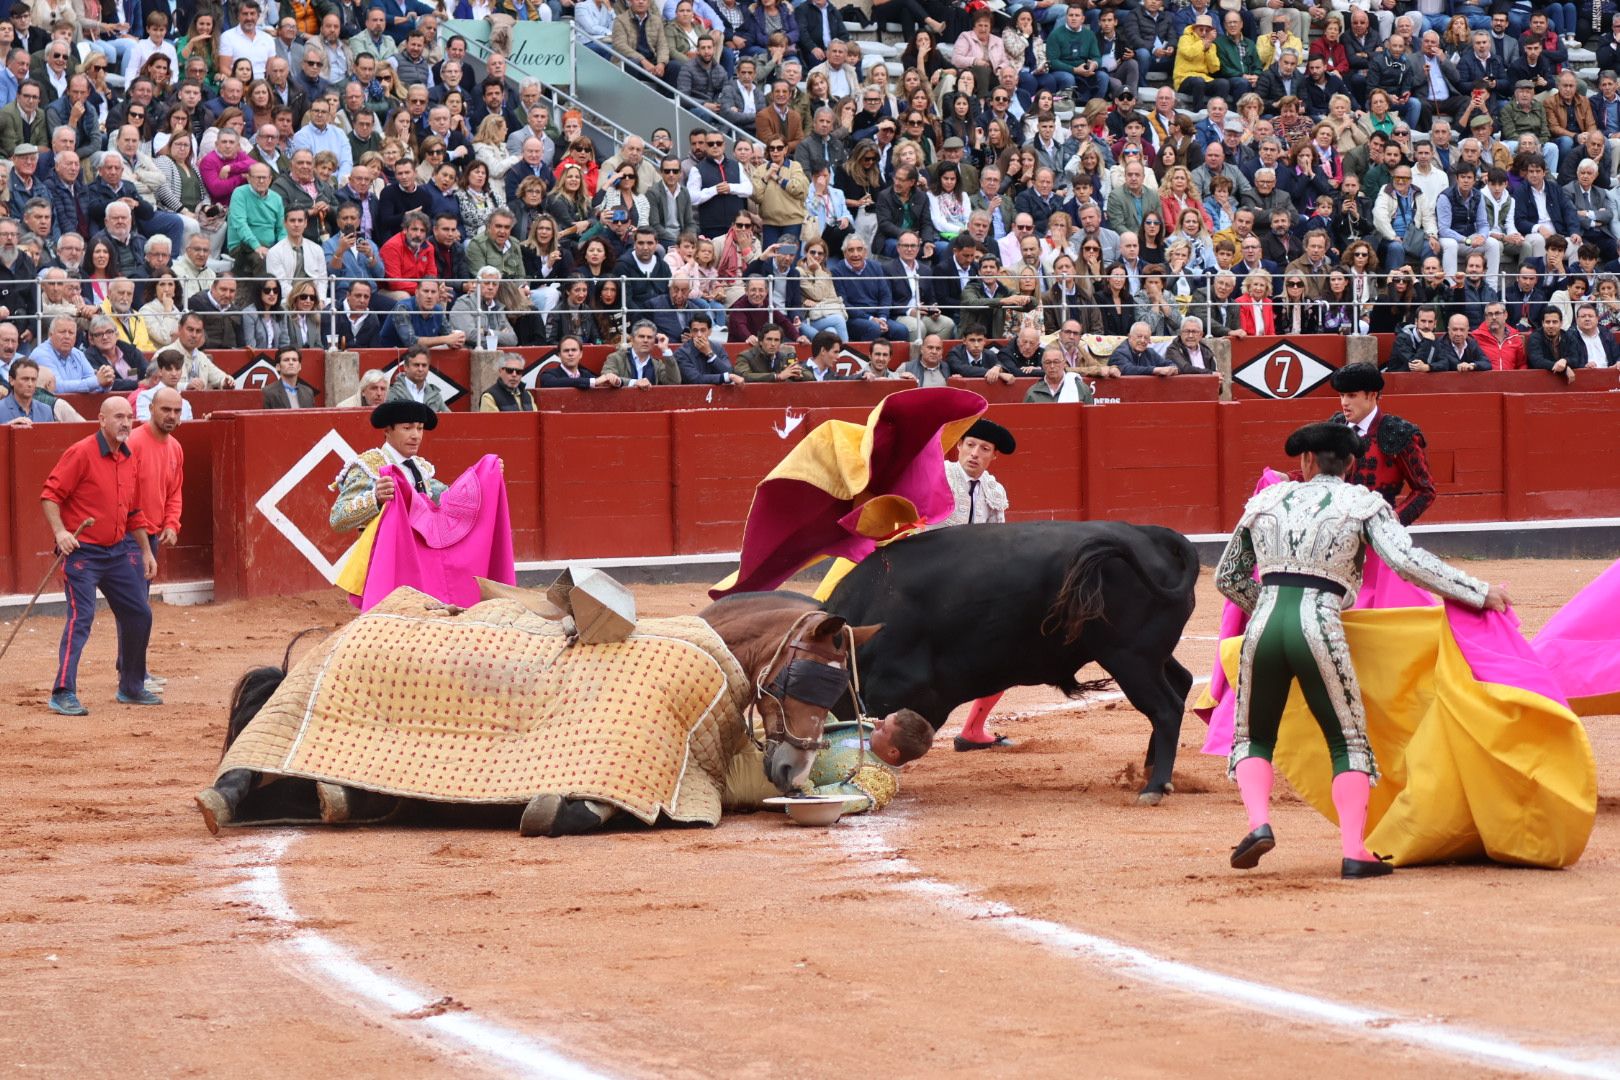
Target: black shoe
1246,856
1361,868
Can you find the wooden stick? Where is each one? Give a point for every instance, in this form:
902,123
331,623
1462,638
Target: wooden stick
83,525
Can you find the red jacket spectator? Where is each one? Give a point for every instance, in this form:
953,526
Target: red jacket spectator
1504,355
404,267
1333,52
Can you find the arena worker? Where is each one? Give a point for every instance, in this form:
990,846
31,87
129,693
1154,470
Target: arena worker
1395,458
1293,561
160,462
980,498
95,487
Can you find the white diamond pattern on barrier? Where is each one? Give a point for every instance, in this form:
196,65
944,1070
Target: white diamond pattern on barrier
269,502
449,389
256,375
1283,371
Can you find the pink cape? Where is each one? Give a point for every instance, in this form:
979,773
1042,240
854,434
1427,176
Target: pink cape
1380,588
439,548
1578,645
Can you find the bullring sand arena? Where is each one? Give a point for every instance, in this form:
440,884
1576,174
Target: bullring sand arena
1013,913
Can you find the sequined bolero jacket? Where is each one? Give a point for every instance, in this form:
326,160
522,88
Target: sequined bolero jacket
1322,527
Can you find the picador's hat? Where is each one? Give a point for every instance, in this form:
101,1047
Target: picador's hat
992,433
1324,438
1358,378
390,413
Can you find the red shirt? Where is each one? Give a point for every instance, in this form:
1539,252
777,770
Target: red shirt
94,480
160,464
404,267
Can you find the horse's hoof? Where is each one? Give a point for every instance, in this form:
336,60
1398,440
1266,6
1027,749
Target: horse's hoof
1169,789
1150,798
215,810
540,815
334,800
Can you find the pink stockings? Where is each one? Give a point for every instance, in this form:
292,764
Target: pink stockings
973,727
1351,790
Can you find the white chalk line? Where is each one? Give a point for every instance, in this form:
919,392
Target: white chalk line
862,838
336,971
1097,697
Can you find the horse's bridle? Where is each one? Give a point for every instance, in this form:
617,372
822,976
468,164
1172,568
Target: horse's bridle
818,678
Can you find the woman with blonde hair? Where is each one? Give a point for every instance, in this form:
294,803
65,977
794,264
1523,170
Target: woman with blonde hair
1248,109
1177,193
303,317
529,203
1192,230
1060,239
1360,261
489,146
1254,305
1347,132
817,95
823,308
570,203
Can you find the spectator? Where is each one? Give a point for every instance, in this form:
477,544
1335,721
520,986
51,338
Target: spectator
822,366
419,322
1188,352
480,317
21,408
768,360
1548,349
1501,346
719,187
264,324
1591,345
355,324
700,362
288,391
780,188
568,372
1057,384
408,258
866,294
1135,355
637,364
507,393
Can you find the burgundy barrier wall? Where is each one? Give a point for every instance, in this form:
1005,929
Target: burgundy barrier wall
26,545
671,483
661,483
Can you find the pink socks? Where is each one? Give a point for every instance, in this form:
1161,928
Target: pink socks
1351,790
973,728
1254,784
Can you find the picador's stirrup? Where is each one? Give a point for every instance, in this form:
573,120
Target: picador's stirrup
1246,856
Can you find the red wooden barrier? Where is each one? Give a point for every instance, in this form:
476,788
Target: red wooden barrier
202,402
1559,456
661,483
9,510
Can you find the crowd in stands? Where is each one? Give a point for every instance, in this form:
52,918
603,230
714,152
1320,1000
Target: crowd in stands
285,174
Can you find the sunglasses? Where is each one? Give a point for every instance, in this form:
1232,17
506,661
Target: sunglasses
742,225
777,147
511,371
672,172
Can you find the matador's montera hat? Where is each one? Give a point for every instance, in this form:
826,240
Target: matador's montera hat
1324,438
390,413
1358,378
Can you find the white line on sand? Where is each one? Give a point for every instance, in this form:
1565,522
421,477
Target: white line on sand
1097,697
337,972
864,839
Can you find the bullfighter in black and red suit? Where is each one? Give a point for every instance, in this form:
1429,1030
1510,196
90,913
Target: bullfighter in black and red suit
1395,459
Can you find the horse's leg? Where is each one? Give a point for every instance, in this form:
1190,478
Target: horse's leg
218,803
341,804
554,815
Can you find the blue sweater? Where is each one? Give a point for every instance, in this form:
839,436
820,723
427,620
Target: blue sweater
865,292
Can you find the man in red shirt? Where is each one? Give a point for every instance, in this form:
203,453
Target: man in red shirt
97,477
160,464
407,257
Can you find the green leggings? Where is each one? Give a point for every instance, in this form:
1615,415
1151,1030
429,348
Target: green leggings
1296,634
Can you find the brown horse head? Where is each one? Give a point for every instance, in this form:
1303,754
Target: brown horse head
798,660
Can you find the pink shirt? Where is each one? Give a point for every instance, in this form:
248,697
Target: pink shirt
220,187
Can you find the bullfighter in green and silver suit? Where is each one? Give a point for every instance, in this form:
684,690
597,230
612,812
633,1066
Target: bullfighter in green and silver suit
1307,540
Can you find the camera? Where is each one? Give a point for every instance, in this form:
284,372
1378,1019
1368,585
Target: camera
620,216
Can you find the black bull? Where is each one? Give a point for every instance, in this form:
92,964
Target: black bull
972,610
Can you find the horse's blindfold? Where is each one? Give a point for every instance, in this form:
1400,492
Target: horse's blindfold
811,682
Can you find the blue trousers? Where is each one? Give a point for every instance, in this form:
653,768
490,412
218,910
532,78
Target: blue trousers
118,572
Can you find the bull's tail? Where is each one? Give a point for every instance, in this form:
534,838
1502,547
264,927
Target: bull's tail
1080,598
255,687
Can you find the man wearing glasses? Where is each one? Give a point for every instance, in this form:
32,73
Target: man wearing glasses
719,187
1404,217
508,394
669,205
23,121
